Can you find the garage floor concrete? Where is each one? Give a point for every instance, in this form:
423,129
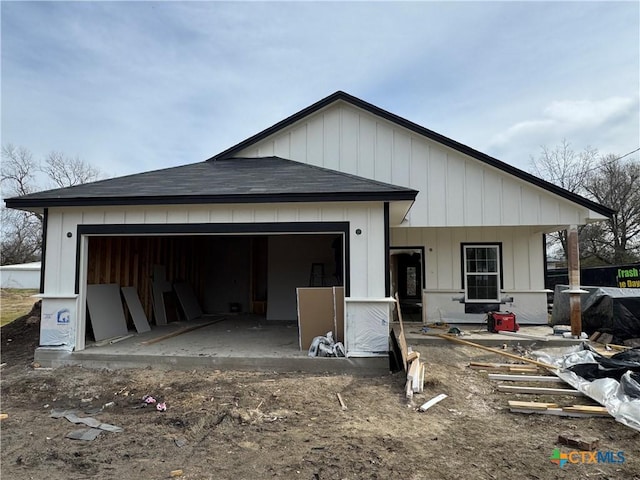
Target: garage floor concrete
233,342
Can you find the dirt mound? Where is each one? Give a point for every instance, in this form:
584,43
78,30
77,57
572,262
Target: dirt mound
21,337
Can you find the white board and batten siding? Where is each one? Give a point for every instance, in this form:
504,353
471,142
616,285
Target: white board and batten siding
455,190
367,265
522,269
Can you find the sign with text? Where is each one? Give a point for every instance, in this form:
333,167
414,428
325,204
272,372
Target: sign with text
628,278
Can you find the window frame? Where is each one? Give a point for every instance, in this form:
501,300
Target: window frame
464,247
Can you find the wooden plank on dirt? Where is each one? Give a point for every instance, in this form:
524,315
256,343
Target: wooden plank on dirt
524,378
495,350
540,390
532,405
558,412
342,404
425,406
586,409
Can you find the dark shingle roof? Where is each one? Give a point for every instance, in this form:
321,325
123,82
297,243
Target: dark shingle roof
420,130
236,180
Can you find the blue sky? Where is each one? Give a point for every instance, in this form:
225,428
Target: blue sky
132,87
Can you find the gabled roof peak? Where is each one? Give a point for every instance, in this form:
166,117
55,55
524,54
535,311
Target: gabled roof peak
419,130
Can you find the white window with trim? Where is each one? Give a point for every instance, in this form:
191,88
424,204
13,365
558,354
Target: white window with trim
481,272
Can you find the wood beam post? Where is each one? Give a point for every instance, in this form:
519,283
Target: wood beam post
573,264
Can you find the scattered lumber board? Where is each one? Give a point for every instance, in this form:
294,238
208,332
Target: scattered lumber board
540,390
505,367
552,409
532,405
524,378
586,409
342,404
425,406
179,332
495,350
577,441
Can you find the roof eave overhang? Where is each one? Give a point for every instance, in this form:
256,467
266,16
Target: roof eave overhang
22,203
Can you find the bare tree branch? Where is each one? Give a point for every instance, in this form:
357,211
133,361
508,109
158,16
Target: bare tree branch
67,171
21,231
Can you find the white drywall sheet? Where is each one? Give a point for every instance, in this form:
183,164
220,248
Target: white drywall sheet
135,308
105,311
157,289
188,301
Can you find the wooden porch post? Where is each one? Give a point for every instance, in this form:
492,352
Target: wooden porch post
573,265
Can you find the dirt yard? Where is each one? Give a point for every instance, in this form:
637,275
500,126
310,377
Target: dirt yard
239,425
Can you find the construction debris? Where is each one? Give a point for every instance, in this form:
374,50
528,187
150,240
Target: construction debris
326,346
524,378
577,441
425,406
87,434
553,409
495,350
540,390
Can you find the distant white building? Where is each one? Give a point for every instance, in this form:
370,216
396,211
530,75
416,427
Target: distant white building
23,275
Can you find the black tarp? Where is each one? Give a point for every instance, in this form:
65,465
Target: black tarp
604,309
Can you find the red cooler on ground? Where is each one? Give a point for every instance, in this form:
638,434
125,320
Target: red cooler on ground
499,321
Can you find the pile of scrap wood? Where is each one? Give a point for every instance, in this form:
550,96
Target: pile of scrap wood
415,374
601,342
410,360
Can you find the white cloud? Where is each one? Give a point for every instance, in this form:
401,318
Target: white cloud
145,85
611,125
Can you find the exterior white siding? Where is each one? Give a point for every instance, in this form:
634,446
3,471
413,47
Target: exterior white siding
522,269
367,250
455,190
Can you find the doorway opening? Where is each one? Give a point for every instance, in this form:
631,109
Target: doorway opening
408,280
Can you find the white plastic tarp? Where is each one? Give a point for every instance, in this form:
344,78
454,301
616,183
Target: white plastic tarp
606,391
367,328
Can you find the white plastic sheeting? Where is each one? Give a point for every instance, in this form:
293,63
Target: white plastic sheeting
367,326
57,323
606,391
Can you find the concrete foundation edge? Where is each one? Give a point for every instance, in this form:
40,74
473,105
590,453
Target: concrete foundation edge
52,357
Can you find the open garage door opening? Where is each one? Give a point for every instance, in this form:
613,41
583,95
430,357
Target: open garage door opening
244,284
